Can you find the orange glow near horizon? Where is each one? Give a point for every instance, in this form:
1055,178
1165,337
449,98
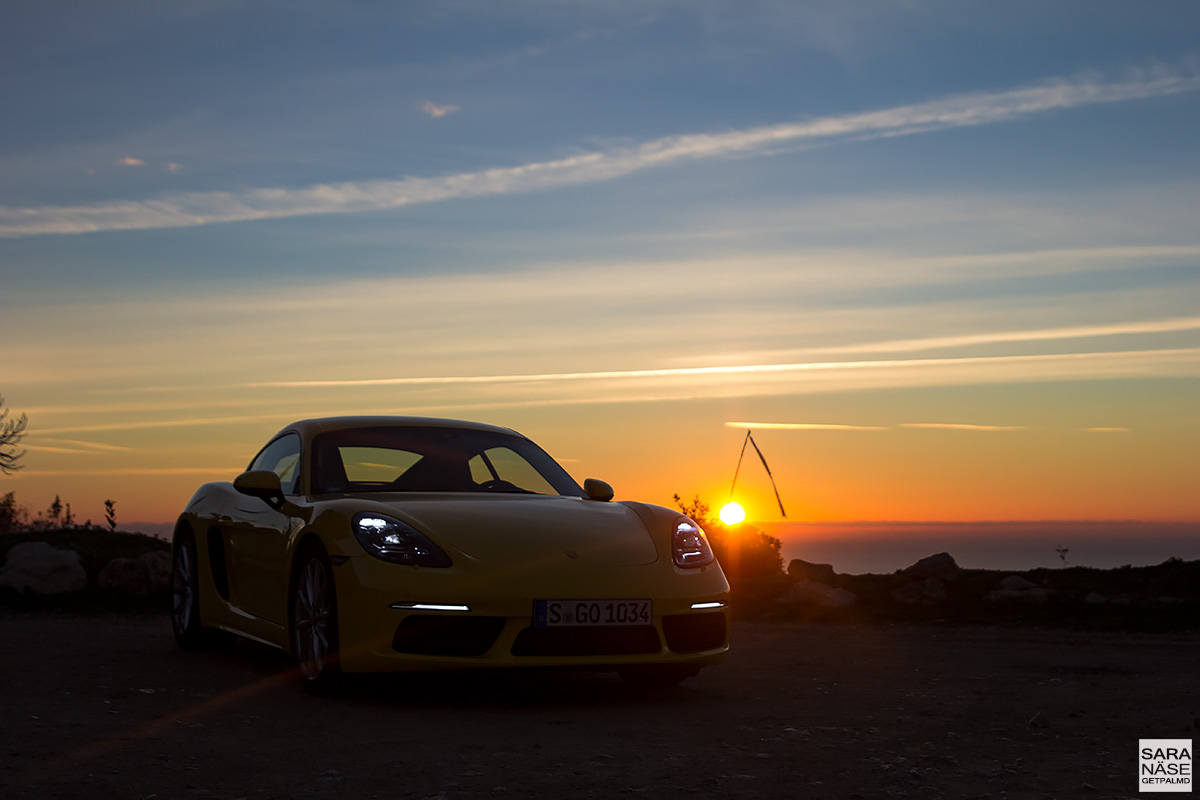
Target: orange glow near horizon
654,450
145,419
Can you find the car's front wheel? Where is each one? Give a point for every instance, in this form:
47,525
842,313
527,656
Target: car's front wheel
314,623
185,594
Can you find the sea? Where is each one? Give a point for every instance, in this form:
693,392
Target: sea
883,547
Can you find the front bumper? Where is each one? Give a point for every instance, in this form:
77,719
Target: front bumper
396,618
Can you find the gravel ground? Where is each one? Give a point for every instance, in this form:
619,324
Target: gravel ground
102,707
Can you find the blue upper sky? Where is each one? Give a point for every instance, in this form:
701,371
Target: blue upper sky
136,102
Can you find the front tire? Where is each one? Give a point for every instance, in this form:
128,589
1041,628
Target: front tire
314,623
189,631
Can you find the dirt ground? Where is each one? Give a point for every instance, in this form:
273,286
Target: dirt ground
109,707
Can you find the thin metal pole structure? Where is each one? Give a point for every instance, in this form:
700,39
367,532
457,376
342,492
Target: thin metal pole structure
733,485
762,458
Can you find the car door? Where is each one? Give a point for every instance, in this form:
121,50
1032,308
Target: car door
258,539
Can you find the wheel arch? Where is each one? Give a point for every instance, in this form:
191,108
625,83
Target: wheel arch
183,526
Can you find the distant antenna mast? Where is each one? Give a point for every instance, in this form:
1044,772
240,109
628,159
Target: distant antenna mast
750,440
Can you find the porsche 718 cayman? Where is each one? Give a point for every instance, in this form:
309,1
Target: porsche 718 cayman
365,544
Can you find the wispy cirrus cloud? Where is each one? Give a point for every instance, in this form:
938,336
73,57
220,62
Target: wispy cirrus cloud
948,426
1174,325
961,426
188,422
436,111
1055,363
75,446
801,426
958,111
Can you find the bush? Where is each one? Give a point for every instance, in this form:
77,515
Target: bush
750,559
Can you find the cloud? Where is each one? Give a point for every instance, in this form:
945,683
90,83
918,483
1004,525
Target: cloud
130,161
1057,364
173,166
1174,325
958,426
801,426
437,111
74,446
959,111
1107,430
170,423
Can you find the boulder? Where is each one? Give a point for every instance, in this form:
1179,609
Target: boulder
816,594
39,568
940,565
800,569
1015,589
148,572
1016,583
929,592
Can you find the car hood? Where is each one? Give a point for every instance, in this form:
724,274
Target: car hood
526,529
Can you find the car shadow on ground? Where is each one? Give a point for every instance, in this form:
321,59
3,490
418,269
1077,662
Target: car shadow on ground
509,689
494,689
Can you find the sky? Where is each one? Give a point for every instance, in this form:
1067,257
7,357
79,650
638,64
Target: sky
941,258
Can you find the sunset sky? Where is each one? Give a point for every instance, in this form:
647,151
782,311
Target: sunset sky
942,258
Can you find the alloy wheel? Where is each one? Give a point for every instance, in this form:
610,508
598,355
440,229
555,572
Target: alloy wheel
313,616
183,587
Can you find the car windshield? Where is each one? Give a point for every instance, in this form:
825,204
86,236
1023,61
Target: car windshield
431,459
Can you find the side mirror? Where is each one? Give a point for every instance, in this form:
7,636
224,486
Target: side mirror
597,490
261,483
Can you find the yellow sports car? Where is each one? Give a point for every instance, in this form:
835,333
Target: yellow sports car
363,544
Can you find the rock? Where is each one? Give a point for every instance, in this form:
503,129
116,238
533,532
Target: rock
800,569
813,593
148,572
929,592
41,569
1015,589
941,565
1095,599
1017,583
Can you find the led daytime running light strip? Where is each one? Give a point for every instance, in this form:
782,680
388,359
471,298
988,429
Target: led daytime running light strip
430,607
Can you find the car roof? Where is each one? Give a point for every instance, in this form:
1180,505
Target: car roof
309,428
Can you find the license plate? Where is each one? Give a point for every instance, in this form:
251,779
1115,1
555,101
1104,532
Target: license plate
552,613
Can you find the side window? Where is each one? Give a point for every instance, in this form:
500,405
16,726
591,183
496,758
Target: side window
282,457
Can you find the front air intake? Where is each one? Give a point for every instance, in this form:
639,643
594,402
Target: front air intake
435,635
694,633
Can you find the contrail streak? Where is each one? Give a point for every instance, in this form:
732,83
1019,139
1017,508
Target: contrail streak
747,369
959,111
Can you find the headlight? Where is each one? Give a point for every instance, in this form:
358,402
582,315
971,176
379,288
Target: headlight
391,540
689,545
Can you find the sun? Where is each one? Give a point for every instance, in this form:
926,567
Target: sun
732,513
